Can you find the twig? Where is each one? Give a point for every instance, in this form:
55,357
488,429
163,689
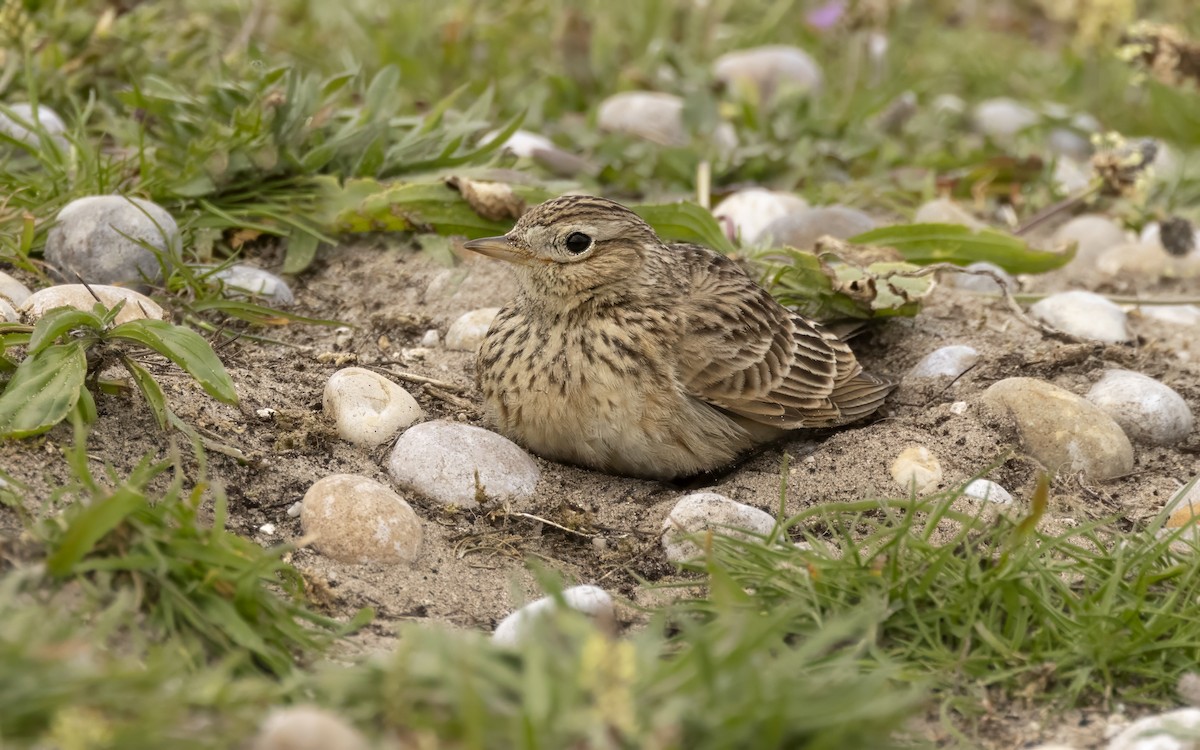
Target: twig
1049,212
449,398
548,522
414,378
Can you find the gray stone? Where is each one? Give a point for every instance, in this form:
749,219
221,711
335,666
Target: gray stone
307,728
1061,430
367,408
1176,315
47,118
769,69
946,363
749,211
468,332
1093,234
802,229
137,306
458,464
528,145
655,117
8,313
1148,411
1173,730
243,280
1002,117
99,239
946,211
355,519
1068,143
705,511
981,283
986,489
590,600
12,290
1083,314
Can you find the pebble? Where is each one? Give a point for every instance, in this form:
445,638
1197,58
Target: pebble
12,290
91,238
459,464
47,118
1179,315
1092,235
1148,411
655,117
802,229
468,332
702,511
295,509
948,104
979,282
917,470
769,69
307,728
355,519
1070,176
1002,117
8,313
1083,314
590,600
137,305
528,145
1151,234
946,211
986,489
1139,259
1068,143
1173,730
948,362
1065,432
255,282
431,339
752,209
367,408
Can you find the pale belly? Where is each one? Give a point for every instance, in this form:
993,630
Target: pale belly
612,406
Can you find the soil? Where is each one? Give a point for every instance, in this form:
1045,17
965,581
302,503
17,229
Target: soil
472,570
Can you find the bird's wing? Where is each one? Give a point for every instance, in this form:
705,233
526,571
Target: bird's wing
744,352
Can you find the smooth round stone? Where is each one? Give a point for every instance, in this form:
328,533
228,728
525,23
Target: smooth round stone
528,145
458,464
1066,142
986,489
8,313
355,519
431,338
367,408
100,238
255,282
946,211
1173,730
704,511
12,290
137,305
655,117
1064,432
1003,117
769,69
590,600
1070,176
307,728
1148,411
1083,314
1136,259
752,209
949,362
917,470
802,229
1092,235
47,118
979,282
468,332
1177,315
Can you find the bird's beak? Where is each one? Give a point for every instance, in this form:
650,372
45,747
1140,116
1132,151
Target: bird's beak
498,247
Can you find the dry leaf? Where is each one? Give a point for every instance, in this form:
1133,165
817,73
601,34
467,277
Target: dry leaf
494,201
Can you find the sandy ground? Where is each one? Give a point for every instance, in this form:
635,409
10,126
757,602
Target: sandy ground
472,569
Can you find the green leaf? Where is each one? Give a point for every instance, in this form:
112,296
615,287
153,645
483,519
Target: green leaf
43,390
150,390
685,222
301,249
57,322
88,526
952,243
184,347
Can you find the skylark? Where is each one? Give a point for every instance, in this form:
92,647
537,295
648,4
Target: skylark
631,356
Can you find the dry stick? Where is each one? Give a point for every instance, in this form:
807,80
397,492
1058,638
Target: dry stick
1049,212
414,378
1013,305
547,521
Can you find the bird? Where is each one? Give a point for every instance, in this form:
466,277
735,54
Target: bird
627,355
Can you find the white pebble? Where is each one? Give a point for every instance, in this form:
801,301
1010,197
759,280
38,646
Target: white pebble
265,413
917,470
267,528
704,511
1002,117
1070,176
1148,411
986,489
522,143
1083,314
948,362
12,290
367,408
102,239
8,313
47,118
655,117
959,407
459,464
468,332
295,509
769,69
1092,235
430,339
946,211
802,229
1137,259
590,600
137,306
1064,432
1173,730
307,728
355,519
980,282
752,209
243,280
1179,315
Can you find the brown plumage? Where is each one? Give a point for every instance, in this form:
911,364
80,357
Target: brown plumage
631,356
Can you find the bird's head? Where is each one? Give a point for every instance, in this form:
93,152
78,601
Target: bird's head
575,248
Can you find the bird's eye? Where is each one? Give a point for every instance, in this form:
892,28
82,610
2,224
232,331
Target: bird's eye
577,242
